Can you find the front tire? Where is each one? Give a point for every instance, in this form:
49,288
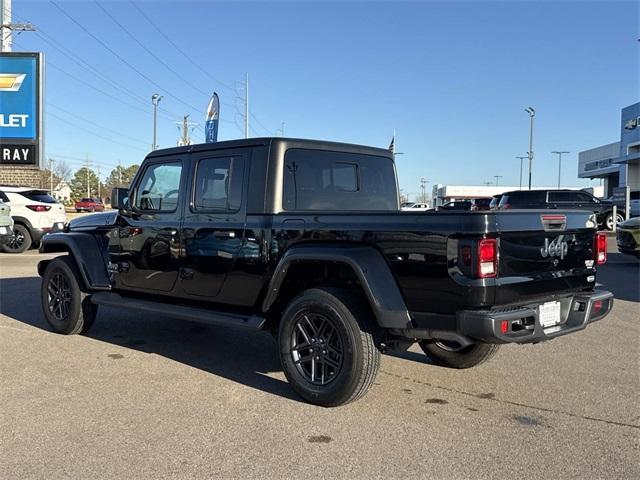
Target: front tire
327,347
19,242
66,307
453,355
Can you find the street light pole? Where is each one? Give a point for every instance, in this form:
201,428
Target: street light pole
155,99
521,159
532,114
559,153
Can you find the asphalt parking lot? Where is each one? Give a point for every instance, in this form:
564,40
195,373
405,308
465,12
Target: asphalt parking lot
143,397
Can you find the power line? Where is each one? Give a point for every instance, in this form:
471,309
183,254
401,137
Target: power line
108,139
119,57
94,123
144,47
182,52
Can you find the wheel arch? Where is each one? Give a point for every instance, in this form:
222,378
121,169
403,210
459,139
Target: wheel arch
362,264
85,250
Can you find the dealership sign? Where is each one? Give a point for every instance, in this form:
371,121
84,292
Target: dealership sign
20,108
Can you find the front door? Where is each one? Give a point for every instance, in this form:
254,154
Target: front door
149,239
214,221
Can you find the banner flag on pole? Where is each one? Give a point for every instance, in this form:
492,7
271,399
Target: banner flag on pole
211,124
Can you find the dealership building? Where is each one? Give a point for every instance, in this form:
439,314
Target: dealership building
617,163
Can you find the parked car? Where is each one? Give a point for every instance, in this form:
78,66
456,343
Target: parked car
89,205
34,212
563,200
480,204
6,222
460,205
628,237
416,207
305,239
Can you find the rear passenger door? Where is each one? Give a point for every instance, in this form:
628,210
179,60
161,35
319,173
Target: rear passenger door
214,221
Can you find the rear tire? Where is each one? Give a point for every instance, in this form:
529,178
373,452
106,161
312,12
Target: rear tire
19,242
608,222
452,355
327,346
66,307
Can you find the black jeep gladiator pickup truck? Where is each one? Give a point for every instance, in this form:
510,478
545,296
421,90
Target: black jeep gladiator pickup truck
306,239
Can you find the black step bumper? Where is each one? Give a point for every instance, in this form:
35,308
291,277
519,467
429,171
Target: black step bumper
514,324
522,324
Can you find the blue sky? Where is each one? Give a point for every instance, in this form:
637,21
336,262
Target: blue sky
452,78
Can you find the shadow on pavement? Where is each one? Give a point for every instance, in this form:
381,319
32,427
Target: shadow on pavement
236,354
621,275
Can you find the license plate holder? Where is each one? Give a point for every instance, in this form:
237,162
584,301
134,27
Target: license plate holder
3,230
549,314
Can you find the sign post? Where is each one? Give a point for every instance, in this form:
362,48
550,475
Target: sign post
21,109
622,200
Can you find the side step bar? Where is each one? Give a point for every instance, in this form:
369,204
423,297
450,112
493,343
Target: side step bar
193,314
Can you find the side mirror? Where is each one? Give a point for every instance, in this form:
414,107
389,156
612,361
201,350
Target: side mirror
120,198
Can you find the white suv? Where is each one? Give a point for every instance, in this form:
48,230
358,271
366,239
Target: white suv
34,213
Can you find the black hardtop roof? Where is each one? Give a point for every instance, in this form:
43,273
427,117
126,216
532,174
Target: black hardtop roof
538,190
264,141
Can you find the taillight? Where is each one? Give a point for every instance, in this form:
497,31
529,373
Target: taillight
38,208
600,248
487,258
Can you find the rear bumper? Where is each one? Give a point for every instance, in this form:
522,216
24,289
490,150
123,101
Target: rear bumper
518,324
6,232
522,324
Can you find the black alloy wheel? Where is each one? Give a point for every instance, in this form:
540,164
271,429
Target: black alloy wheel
316,348
59,297
66,307
19,241
327,345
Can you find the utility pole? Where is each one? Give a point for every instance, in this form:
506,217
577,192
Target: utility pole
51,160
7,27
532,114
119,173
246,105
487,183
559,153
155,100
282,130
87,172
521,159
99,197
185,127
497,177
423,187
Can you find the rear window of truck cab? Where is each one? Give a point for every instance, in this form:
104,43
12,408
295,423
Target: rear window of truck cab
319,180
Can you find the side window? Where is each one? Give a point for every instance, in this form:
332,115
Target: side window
563,197
333,181
218,184
3,197
584,198
159,188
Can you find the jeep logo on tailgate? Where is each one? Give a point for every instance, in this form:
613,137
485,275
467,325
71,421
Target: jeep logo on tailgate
557,248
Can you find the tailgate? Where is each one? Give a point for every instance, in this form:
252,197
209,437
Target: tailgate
543,254
56,214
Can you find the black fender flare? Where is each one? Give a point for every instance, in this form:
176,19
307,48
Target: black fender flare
86,251
371,269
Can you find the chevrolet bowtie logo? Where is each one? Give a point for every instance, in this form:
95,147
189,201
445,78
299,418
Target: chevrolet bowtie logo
11,82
